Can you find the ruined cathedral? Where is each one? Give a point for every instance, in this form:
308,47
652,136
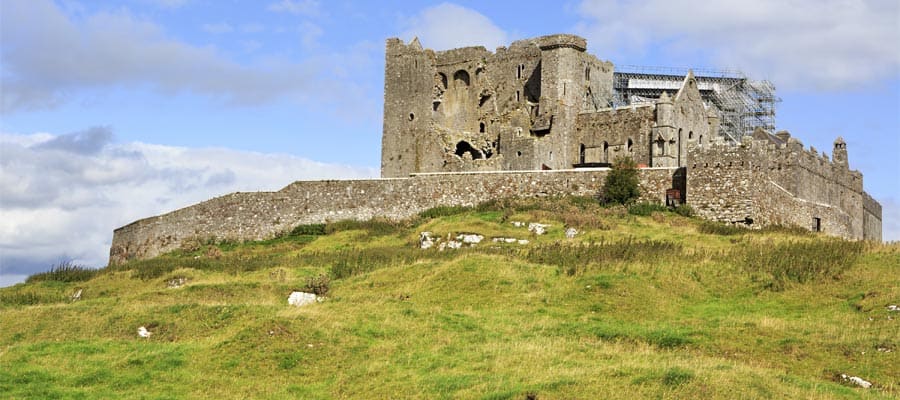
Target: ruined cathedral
540,104
545,117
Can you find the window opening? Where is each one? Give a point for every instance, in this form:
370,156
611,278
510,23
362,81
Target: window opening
461,76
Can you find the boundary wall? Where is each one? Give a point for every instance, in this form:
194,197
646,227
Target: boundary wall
263,215
761,184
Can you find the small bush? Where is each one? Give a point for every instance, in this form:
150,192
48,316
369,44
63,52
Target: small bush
446,211
621,184
374,226
318,285
645,209
718,228
66,271
684,210
308,229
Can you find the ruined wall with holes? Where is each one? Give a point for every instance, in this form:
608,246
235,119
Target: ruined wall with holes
541,103
609,134
262,215
471,109
760,183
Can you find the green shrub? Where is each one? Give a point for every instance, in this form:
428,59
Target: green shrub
374,226
65,271
645,209
308,229
318,285
719,228
684,210
621,184
446,211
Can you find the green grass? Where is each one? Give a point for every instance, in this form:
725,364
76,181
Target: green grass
657,306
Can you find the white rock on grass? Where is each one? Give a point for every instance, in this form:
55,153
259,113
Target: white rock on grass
299,299
425,240
537,229
893,307
143,332
470,238
571,232
518,224
176,283
857,381
509,240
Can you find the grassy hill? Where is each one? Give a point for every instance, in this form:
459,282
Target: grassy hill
656,306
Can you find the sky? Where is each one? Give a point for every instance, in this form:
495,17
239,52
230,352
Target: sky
112,111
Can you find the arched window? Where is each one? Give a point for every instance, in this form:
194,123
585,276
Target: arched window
461,76
481,127
605,152
443,79
581,154
628,145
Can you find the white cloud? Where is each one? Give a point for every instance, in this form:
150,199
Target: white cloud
62,196
48,58
816,44
310,8
447,26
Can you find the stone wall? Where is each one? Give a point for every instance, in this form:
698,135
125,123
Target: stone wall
606,134
262,215
871,218
470,109
760,184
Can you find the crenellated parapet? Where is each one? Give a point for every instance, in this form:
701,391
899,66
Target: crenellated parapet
777,181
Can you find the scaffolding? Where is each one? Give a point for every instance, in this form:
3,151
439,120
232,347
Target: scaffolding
742,104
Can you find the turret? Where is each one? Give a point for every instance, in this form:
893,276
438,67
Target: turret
839,154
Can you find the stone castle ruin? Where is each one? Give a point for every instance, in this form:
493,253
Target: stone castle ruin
544,117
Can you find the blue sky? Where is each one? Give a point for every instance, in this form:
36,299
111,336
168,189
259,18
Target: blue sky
114,111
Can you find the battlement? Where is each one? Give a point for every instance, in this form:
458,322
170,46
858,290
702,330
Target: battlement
467,125
782,182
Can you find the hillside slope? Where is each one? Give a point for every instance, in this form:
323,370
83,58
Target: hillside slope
658,306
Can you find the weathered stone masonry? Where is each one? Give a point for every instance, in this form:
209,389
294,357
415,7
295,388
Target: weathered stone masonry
262,215
468,125
762,183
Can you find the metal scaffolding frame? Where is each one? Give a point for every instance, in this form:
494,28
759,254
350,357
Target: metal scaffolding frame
742,104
